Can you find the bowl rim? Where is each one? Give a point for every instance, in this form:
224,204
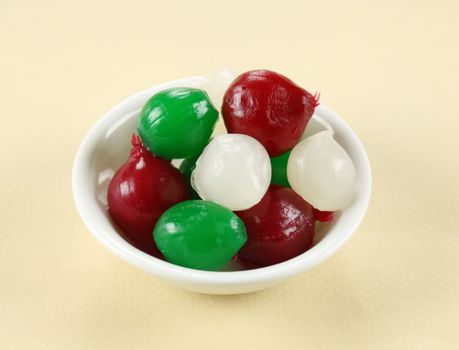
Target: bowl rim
174,273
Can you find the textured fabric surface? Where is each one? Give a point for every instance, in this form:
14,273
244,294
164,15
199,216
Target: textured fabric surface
391,69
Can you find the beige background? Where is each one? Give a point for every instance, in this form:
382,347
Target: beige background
391,68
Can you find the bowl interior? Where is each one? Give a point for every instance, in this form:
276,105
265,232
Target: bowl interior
106,148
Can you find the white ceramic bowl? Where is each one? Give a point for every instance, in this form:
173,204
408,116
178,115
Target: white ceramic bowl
106,147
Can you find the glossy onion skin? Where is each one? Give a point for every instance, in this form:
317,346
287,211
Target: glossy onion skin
199,234
139,192
177,123
279,228
233,170
321,171
269,107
